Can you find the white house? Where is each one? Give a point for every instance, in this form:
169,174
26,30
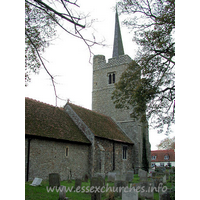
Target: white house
163,158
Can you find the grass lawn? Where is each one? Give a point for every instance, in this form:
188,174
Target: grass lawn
41,193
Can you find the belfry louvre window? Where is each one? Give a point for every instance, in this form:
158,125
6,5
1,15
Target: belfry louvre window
111,78
124,152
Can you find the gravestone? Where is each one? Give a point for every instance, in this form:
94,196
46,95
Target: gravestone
102,176
164,169
78,183
129,194
151,170
166,195
164,179
136,170
85,178
142,173
111,176
129,176
36,182
149,174
119,185
167,175
147,190
153,174
172,178
136,186
95,183
62,192
160,169
160,174
157,182
54,179
120,177
173,169
117,172
143,179
69,175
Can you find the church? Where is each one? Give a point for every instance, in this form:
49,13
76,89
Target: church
74,141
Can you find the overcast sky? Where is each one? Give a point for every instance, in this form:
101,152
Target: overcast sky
68,60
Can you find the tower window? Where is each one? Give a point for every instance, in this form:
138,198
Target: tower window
111,78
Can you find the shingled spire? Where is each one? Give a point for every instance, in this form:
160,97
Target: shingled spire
118,45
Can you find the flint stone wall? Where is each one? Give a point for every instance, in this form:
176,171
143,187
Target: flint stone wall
48,156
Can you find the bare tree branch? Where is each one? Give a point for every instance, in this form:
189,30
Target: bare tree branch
44,5
73,3
55,16
52,78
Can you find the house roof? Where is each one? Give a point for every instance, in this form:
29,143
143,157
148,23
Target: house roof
101,125
50,122
160,154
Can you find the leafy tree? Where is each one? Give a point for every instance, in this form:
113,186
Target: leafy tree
41,19
148,85
167,143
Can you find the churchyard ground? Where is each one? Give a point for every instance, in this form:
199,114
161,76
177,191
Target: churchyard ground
41,193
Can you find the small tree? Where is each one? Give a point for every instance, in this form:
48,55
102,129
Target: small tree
167,143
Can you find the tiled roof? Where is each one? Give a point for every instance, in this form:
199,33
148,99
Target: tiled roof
101,125
50,122
160,154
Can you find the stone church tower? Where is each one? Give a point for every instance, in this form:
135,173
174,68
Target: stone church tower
105,75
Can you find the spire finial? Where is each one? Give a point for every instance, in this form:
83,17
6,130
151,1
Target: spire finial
118,48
